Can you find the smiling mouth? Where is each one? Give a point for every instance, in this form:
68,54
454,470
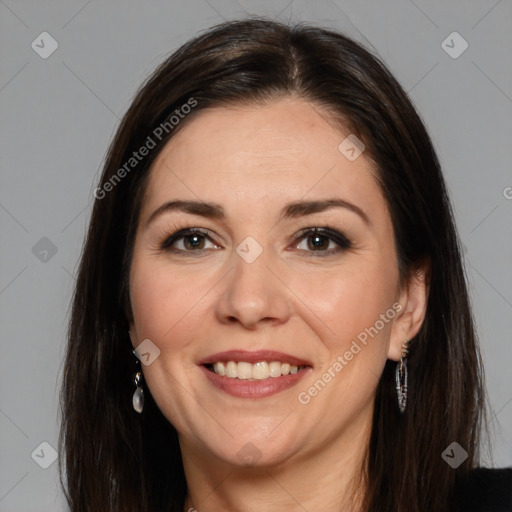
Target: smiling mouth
242,370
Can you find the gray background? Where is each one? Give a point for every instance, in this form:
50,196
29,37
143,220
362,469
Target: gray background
59,114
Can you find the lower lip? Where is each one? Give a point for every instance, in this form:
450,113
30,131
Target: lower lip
254,388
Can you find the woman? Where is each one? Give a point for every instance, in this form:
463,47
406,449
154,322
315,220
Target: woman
271,310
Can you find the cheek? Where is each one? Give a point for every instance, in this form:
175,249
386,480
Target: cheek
148,297
349,301
357,314
361,303
167,310
161,298
355,305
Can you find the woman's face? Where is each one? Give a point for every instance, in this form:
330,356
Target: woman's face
253,286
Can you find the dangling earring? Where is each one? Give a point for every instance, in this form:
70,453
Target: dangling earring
401,378
138,394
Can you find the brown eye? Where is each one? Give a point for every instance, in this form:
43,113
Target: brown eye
324,241
187,240
194,241
317,242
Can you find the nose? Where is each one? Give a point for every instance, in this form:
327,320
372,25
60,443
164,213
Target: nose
254,293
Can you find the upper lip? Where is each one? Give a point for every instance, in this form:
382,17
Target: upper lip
254,357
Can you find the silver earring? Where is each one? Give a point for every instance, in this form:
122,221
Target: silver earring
401,378
138,394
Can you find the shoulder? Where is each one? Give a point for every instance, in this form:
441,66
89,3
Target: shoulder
485,490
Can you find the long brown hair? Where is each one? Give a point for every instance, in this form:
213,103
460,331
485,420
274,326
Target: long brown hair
112,459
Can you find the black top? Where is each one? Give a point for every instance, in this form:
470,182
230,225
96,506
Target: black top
486,490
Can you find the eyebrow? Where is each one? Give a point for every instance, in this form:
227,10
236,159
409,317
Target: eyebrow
289,211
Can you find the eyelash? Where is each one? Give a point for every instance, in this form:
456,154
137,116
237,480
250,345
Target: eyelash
324,231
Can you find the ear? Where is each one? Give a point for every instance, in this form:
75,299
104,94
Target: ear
413,299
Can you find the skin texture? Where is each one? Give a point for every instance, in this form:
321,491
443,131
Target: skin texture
253,160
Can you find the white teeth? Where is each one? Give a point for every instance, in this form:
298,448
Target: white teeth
231,370
259,371
244,371
275,369
219,369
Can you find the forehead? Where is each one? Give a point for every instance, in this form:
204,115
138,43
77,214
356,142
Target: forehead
284,150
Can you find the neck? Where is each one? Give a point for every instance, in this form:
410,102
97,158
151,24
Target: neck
327,477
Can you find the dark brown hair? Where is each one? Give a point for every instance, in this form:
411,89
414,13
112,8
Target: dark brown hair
115,460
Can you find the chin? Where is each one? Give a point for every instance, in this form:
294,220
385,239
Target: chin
254,450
